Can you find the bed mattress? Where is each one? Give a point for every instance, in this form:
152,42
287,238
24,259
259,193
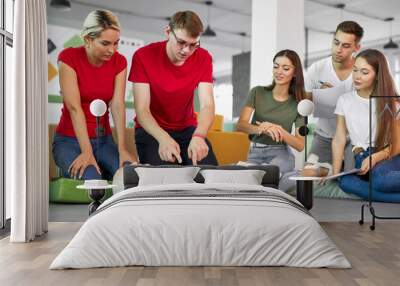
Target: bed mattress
201,225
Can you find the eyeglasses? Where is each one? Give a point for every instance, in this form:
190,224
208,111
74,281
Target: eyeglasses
183,44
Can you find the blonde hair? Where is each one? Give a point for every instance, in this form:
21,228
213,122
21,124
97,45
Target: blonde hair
97,21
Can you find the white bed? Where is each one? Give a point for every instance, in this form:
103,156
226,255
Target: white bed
201,224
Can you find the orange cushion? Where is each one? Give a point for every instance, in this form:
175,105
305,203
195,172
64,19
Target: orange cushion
229,147
218,123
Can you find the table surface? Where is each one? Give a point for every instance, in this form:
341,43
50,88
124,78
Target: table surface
95,187
302,178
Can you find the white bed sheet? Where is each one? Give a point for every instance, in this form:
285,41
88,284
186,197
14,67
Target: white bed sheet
200,231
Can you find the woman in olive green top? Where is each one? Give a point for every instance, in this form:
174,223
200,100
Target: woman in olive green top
275,111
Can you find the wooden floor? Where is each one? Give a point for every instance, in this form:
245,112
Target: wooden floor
374,255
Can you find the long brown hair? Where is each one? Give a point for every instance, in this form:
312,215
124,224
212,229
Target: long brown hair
296,86
384,86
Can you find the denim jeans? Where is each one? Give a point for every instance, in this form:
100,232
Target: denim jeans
278,155
66,149
147,148
385,180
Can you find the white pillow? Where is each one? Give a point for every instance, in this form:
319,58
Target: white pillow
249,177
163,176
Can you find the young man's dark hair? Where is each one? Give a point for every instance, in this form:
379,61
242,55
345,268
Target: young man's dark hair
351,27
187,20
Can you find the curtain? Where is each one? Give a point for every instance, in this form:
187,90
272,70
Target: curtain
26,124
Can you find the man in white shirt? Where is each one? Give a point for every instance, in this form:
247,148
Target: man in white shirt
326,80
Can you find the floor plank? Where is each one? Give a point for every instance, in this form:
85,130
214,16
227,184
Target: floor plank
374,255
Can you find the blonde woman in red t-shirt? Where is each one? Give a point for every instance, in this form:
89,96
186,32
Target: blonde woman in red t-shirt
93,71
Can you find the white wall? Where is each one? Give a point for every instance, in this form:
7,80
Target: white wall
276,25
8,72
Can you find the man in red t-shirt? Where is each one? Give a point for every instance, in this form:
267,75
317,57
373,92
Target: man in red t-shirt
165,76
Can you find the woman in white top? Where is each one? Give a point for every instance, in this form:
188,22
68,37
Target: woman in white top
371,76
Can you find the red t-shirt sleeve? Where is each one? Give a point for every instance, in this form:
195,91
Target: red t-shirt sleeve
121,63
67,57
208,69
138,72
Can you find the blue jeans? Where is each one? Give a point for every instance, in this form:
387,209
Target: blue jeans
385,180
66,149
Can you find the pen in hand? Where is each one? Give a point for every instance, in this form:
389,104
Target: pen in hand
325,84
